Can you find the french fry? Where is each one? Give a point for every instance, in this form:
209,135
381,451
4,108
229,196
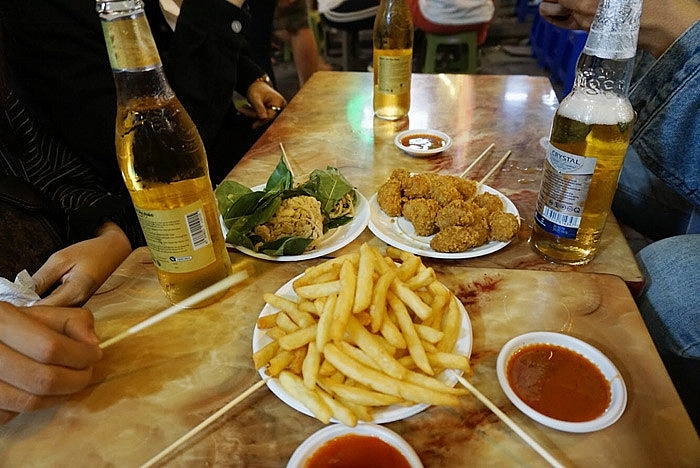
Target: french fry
415,348
369,344
390,331
377,311
298,338
429,334
262,356
340,412
310,366
449,361
267,321
423,278
343,306
411,299
359,395
279,362
363,288
408,268
285,323
312,273
294,385
316,290
452,324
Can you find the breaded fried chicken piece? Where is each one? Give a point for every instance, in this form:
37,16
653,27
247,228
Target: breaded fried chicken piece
417,186
401,175
443,191
460,213
466,187
421,213
389,197
489,201
454,239
503,226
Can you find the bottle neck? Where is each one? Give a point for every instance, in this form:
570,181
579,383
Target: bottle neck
133,54
599,75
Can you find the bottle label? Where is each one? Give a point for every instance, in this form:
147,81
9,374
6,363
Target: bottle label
566,179
177,238
393,74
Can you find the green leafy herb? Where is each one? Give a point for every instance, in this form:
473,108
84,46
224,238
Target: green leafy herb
243,209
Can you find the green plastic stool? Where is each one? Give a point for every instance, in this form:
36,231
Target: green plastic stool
465,63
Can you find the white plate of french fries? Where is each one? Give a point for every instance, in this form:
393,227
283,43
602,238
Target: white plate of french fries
363,337
399,232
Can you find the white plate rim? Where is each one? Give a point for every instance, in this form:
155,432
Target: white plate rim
423,153
381,416
336,240
392,231
316,440
618,390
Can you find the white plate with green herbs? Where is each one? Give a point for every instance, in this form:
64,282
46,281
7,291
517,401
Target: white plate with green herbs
242,209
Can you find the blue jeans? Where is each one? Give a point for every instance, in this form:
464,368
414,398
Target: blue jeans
670,306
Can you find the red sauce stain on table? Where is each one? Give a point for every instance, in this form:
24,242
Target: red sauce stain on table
357,451
558,382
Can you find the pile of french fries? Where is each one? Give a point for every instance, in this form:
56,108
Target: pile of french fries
365,331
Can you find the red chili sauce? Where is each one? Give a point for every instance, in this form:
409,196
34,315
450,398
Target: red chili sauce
356,451
558,382
423,142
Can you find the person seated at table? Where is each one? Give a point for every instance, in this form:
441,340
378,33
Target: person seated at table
659,190
288,19
453,16
58,54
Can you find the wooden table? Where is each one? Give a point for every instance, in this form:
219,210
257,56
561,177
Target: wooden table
153,387
330,122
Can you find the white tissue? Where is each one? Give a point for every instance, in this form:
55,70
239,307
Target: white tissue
20,293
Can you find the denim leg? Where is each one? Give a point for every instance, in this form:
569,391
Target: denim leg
670,305
649,206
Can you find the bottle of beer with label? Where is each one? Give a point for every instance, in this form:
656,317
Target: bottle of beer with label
393,54
162,159
588,141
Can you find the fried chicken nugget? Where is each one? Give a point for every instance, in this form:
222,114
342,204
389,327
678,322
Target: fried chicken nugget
461,213
401,175
454,239
389,197
466,187
443,191
503,226
421,213
489,201
417,186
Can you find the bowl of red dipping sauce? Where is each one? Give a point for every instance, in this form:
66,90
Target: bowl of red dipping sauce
422,142
365,445
561,382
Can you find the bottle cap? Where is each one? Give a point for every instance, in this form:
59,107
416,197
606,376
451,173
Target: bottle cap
614,31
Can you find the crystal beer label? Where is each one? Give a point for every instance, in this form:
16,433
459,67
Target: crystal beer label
566,179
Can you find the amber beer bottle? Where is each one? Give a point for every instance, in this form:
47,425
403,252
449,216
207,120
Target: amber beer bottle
393,53
162,159
588,141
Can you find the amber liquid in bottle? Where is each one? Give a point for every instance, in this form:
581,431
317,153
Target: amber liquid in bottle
163,163
590,134
392,56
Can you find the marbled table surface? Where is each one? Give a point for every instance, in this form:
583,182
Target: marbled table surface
153,387
330,122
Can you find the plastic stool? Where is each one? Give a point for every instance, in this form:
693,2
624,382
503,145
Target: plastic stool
566,70
523,8
465,62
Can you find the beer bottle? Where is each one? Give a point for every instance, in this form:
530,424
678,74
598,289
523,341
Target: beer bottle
162,159
393,54
588,141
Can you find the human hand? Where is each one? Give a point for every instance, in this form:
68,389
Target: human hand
661,23
47,354
265,103
81,268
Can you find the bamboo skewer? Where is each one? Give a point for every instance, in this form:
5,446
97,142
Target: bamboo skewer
286,160
494,168
479,158
193,300
204,424
509,422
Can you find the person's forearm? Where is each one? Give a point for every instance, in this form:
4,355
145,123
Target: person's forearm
664,21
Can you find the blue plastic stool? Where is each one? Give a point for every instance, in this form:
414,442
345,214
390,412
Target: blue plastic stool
523,8
566,70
